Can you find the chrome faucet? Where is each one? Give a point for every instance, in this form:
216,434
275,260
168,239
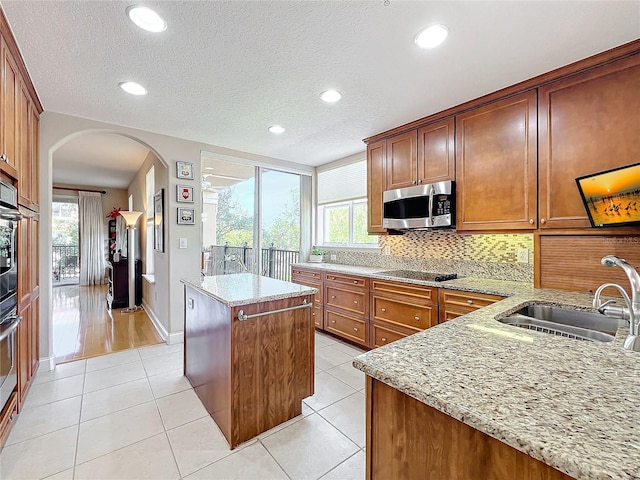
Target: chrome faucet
632,309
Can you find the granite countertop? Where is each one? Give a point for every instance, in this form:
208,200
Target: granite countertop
572,404
247,288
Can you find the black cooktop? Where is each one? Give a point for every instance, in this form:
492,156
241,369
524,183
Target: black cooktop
416,275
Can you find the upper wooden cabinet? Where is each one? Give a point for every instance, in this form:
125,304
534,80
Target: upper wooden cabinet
402,151
496,165
588,123
436,152
34,154
10,92
376,155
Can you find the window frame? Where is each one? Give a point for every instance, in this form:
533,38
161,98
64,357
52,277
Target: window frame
323,220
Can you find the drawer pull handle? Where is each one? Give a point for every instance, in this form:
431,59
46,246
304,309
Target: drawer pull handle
383,309
383,339
333,278
333,296
416,318
355,301
355,281
314,314
470,302
333,321
355,329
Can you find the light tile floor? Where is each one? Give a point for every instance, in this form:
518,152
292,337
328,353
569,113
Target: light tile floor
132,415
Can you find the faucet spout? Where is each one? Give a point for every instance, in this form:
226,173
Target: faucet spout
632,275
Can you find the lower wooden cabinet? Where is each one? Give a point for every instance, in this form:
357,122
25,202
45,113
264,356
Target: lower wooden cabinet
346,307
347,326
454,303
383,334
313,279
7,417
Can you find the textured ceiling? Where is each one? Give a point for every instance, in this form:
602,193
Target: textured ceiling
224,71
112,160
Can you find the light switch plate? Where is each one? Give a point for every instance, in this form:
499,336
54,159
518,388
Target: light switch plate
387,250
523,255
183,243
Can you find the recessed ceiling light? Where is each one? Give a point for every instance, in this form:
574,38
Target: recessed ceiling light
331,96
432,36
147,19
133,88
277,129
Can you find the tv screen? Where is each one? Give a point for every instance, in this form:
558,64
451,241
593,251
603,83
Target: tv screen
612,198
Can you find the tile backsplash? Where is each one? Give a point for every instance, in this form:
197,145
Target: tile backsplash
478,255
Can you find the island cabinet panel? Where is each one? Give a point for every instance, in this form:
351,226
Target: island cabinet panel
454,303
251,374
376,185
436,152
588,123
346,302
313,279
496,165
402,154
410,440
400,309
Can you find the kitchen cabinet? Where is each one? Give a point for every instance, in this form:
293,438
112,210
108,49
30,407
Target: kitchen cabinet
496,165
436,152
402,154
406,439
8,417
346,301
454,303
313,279
400,309
251,373
588,123
376,184
34,155
10,92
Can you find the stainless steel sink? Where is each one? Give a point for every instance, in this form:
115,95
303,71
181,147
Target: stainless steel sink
564,322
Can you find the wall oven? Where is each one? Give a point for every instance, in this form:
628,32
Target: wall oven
9,319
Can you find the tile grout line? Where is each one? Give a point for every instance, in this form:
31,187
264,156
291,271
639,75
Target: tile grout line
274,458
75,454
342,462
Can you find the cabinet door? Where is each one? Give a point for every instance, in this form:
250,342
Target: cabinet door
34,333
588,123
23,163
34,154
9,110
436,148
24,262
402,160
23,366
376,155
496,165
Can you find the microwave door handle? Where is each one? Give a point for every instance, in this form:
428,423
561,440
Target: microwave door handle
431,193
5,333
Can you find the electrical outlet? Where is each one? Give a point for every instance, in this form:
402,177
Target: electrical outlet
523,255
332,257
387,250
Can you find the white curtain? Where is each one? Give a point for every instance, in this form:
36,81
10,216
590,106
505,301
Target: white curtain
92,261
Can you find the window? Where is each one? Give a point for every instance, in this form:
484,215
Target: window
342,206
149,182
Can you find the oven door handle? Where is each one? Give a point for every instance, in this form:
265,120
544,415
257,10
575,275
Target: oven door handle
10,215
12,326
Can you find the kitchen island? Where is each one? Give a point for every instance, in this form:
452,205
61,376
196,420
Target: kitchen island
481,399
249,350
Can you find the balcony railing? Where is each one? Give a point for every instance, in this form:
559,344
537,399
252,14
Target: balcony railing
276,263
65,264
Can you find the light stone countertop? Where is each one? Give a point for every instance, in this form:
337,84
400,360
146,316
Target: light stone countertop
572,404
247,288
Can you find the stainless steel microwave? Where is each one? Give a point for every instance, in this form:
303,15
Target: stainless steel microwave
425,206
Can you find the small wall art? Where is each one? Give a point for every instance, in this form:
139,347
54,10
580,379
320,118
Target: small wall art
184,170
158,221
186,216
184,194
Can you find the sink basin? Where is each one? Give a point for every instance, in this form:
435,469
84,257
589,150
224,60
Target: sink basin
564,322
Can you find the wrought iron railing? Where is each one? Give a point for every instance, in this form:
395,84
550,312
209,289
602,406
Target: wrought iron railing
65,262
222,259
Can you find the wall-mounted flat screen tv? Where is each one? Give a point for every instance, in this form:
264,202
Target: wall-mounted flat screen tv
612,197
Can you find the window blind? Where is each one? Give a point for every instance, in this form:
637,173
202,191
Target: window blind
343,183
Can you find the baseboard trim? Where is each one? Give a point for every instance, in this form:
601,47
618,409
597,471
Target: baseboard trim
156,322
47,364
177,337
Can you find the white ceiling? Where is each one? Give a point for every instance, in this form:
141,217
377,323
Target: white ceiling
98,159
224,71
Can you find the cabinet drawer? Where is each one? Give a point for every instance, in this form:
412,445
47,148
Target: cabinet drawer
419,292
351,280
411,315
317,312
308,282
7,417
354,301
469,300
346,326
306,273
449,312
384,335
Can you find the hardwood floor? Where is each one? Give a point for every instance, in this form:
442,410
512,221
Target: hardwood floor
83,327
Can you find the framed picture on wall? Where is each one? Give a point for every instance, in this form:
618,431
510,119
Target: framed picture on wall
184,193
184,170
186,216
158,221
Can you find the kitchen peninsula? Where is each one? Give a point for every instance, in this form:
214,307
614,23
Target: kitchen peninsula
249,350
